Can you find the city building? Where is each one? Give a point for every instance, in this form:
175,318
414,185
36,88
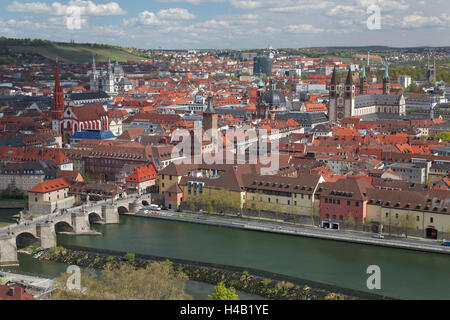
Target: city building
111,81
50,196
345,103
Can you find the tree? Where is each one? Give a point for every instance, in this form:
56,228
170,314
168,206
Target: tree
155,282
349,220
210,208
222,293
407,222
444,136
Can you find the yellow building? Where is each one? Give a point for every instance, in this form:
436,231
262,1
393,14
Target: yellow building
426,213
292,195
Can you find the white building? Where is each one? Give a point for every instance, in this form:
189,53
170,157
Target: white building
110,81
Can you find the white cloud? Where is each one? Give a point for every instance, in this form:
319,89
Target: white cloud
304,28
176,13
417,21
86,7
247,4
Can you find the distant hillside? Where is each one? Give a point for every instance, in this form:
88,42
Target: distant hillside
26,50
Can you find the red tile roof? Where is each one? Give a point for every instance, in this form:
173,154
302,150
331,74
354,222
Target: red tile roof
143,174
51,185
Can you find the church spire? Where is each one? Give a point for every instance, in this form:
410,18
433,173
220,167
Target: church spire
386,71
334,77
349,81
386,81
363,80
210,109
58,96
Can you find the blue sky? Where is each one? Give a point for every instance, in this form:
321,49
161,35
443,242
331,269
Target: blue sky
232,24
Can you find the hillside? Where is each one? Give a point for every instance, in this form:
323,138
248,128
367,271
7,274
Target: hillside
26,50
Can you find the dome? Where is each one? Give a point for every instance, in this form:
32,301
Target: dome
273,98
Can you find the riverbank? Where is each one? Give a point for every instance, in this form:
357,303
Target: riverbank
271,226
9,204
244,280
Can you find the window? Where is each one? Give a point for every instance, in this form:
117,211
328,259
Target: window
269,199
418,218
357,203
431,220
328,216
348,202
334,217
326,200
35,199
309,197
289,202
396,216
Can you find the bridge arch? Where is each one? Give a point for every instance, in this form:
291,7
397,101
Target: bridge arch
145,203
94,218
26,239
63,226
122,209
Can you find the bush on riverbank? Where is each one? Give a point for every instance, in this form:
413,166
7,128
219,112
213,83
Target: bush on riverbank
267,288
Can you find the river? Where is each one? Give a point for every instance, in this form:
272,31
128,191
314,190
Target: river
404,274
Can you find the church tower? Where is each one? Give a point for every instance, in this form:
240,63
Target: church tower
110,78
363,80
386,81
210,122
58,108
334,92
349,99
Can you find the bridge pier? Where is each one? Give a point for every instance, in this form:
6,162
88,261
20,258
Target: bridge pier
110,214
80,222
46,232
134,207
8,251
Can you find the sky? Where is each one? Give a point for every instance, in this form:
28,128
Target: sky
230,24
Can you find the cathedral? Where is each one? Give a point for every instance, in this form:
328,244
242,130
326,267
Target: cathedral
270,102
111,81
344,102
66,119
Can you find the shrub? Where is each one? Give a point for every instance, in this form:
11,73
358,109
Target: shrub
130,257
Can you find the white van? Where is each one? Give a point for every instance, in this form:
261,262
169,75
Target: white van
154,207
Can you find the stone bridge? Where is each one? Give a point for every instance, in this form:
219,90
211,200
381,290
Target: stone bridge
42,230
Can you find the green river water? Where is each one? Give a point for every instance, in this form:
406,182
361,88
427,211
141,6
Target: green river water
404,274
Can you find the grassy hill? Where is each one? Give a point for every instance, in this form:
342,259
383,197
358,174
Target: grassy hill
26,50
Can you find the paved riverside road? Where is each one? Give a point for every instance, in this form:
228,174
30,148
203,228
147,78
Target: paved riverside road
306,231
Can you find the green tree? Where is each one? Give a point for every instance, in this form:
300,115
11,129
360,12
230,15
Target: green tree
349,220
210,208
156,282
130,257
407,222
222,293
444,136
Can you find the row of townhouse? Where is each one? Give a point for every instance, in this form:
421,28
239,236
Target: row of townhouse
243,189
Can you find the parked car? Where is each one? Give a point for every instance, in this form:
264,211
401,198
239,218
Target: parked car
154,207
446,243
378,236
